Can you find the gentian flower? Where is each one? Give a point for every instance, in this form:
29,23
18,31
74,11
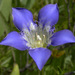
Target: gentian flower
36,37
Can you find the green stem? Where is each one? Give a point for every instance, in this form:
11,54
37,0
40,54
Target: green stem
39,72
42,71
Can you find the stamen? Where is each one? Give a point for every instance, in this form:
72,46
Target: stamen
44,36
39,38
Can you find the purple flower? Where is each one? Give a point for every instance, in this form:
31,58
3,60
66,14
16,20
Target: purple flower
36,37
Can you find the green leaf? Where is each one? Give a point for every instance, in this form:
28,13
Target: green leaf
23,2
28,3
5,63
52,1
5,8
15,70
21,58
0,1
3,26
68,62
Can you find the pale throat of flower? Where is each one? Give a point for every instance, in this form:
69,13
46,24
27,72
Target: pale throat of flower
37,36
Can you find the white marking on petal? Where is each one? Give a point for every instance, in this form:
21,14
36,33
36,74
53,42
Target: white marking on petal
32,27
49,42
47,28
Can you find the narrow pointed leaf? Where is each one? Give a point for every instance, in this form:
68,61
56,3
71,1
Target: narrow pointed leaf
5,8
15,70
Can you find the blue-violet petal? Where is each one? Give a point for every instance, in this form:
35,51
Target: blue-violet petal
15,40
62,37
49,15
40,56
22,18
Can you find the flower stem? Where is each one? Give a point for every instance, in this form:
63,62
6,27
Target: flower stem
42,71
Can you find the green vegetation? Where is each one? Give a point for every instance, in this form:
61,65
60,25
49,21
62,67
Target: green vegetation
15,62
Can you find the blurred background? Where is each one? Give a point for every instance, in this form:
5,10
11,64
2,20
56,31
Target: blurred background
15,62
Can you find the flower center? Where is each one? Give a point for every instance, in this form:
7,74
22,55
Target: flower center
37,36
